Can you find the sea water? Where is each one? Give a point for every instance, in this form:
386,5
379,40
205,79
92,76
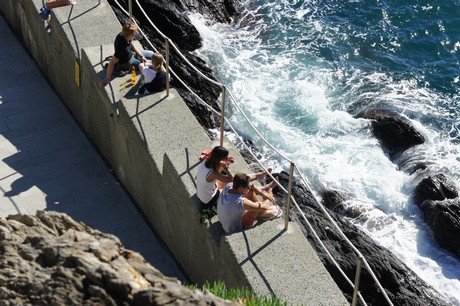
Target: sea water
303,70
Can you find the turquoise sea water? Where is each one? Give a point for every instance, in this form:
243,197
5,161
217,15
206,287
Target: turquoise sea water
302,70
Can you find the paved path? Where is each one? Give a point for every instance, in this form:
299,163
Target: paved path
46,162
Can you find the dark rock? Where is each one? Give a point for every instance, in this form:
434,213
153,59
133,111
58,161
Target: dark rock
333,199
50,259
394,131
401,284
438,187
443,217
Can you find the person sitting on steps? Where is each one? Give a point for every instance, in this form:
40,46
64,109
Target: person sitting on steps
154,75
238,206
126,54
213,173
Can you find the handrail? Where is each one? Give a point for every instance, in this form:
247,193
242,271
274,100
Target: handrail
290,198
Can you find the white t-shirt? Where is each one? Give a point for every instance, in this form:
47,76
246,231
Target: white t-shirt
149,74
205,190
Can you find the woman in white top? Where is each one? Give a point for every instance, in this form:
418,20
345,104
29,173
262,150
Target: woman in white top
212,170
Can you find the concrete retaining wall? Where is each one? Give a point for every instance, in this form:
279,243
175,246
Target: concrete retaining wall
153,143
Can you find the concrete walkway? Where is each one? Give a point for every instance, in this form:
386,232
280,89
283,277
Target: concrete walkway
47,163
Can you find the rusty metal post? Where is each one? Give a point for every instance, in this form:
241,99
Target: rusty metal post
130,10
288,202
167,65
357,280
222,117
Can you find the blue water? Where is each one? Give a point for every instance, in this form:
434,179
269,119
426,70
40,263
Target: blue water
302,70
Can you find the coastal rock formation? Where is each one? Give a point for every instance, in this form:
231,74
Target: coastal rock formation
394,131
396,134
50,259
402,285
437,187
437,197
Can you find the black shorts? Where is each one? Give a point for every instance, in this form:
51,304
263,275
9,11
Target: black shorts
211,203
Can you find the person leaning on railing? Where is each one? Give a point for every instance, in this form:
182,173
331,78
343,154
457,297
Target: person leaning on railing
238,206
126,54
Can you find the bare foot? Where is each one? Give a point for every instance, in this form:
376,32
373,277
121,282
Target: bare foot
271,185
263,174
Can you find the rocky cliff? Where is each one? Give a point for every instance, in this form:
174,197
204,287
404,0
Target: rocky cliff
50,259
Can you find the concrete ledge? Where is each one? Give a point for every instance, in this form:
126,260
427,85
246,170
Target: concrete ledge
153,143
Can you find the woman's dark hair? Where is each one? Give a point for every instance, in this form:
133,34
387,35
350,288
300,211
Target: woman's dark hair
217,154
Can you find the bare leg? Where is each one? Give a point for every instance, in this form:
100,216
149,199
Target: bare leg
248,219
262,174
271,185
51,4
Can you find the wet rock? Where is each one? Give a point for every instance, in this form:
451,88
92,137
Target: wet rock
443,217
394,131
402,285
437,197
437,187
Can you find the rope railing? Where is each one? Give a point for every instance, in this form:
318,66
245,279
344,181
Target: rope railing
293,168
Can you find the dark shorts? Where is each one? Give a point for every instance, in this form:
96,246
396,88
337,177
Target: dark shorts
212,203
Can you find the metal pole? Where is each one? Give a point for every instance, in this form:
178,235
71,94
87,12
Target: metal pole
222,117
288,202
130,9
167,66
357,280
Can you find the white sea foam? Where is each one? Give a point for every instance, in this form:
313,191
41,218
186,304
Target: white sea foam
295,101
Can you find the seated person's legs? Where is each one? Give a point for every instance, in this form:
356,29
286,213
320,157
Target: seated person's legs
51,4
147,54
137,61
248,219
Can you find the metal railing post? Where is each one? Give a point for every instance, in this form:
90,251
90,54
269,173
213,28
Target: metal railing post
288,202
130,10
167,66
222,117
357,280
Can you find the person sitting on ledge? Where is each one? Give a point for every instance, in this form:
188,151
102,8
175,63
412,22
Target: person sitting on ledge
126,54
214,169
238,206
154,74
213,173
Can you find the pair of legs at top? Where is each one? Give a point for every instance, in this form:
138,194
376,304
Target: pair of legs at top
51,4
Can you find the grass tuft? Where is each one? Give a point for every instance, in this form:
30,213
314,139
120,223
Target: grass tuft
243,296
